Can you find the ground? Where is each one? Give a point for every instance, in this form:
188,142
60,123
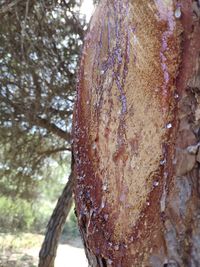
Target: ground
22,251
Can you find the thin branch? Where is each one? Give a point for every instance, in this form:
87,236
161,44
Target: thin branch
61,113
7,7
52,128
44,123
53,151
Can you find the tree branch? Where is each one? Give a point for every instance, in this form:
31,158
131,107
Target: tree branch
52,128
52,151
44,123
7,7
56,223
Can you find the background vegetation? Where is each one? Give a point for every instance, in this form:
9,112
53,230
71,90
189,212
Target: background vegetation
40,44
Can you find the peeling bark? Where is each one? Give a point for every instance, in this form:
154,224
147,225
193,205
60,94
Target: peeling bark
136,135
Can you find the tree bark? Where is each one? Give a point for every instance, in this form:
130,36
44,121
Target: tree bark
136,135
56,223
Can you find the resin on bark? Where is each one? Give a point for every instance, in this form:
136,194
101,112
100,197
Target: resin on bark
133,74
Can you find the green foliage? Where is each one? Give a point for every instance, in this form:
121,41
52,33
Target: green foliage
70,230
20,240
40,42
15,215
42,212
18,215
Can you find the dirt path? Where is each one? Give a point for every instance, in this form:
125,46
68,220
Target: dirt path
70,254
67,256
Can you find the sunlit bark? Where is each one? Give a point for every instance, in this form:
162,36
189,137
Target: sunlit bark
136,135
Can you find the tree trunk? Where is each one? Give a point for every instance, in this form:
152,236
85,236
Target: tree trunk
136,135
56,223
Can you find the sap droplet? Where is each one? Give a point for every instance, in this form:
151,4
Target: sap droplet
103,204
176,96
155,183
122,198
94,145
105,187
116,247
178,12
162,162
174,161
165,174
162,202
97,251
193,149
169,125
109,261
106,217
80,178
148,203
78,161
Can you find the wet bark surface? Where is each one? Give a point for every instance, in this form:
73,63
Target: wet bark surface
136,135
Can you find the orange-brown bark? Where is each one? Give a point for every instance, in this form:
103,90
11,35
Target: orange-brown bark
136,127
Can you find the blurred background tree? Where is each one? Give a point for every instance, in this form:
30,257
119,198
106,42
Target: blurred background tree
39,46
